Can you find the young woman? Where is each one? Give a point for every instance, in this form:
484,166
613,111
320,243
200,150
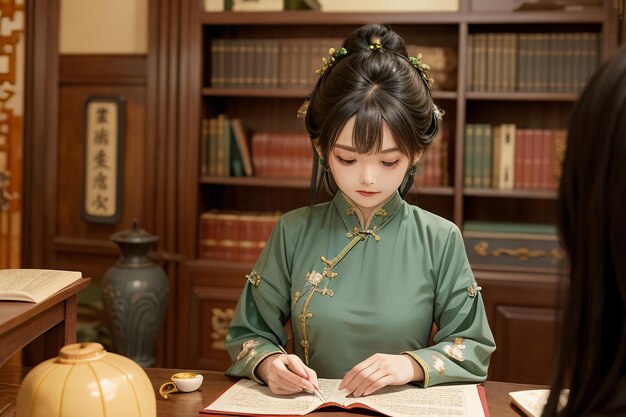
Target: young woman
592,357
364,276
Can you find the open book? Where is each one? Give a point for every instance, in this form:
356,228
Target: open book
34,285
246,397
531,402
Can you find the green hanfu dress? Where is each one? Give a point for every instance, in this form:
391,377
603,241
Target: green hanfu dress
351,293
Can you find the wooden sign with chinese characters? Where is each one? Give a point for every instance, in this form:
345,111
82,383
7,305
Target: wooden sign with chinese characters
104,126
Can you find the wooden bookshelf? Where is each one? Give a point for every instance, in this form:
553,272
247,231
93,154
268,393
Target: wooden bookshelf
206,286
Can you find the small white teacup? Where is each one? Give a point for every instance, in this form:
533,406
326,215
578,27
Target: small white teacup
183,382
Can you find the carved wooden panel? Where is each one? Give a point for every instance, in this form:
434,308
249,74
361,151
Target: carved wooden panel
212,310
12,52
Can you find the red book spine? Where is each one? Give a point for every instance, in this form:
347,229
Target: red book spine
208,243
229,235
535,160
259,142
247,246
546,168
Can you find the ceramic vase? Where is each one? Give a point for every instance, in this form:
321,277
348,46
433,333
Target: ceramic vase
135,292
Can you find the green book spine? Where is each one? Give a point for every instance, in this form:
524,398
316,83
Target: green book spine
478,156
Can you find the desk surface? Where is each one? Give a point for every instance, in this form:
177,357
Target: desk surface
189,404
21,322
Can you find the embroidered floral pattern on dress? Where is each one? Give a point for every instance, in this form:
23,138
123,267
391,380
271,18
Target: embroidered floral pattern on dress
247,349
254,278
438,364
455,351
473,289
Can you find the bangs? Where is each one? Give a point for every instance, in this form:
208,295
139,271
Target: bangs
367,135
370,111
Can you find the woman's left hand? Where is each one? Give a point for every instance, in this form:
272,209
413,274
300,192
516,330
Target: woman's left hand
380,370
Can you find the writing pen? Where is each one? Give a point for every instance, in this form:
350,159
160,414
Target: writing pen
317,393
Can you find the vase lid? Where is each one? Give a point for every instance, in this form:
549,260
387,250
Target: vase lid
133,235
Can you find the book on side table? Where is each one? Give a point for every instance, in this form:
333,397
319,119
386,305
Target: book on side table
34,285
246,397
532,402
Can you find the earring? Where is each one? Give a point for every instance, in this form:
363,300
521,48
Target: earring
412,170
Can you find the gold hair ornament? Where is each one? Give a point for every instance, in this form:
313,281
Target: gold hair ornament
376,45
334,55
304,107
422,67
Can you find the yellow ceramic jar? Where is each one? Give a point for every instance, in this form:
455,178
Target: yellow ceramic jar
86,380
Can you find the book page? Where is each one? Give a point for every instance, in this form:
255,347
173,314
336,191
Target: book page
34,284
411,401
248,397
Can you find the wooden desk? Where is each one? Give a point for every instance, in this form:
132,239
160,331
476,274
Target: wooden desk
53,320
189,404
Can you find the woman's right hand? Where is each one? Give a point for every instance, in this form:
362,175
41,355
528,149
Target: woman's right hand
287,374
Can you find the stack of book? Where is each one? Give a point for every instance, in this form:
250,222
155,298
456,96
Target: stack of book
235,236
505,157
531,62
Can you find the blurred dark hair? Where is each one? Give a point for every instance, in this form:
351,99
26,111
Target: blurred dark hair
374,86
592,200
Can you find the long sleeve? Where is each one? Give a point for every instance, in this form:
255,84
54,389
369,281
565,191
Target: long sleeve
463,342
263,308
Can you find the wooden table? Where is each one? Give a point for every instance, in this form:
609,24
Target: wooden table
189,404
52,320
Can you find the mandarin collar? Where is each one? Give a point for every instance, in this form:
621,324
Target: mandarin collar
348,212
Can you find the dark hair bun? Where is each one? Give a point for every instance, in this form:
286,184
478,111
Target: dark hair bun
362,38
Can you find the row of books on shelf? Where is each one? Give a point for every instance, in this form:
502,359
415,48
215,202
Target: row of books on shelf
506,157
531,62
291,63
225,151
234,235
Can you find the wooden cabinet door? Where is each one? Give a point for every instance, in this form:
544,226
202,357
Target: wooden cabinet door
523,314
